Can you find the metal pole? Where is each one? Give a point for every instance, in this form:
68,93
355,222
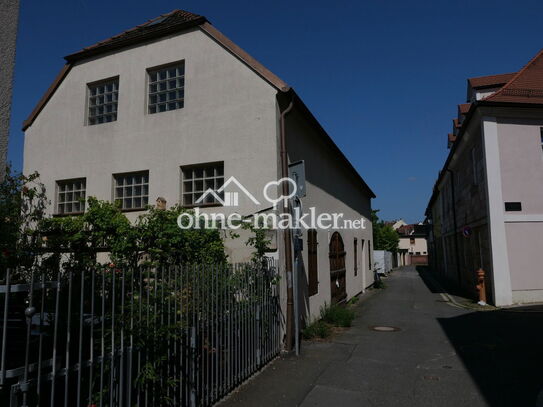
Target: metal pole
286,233
296,301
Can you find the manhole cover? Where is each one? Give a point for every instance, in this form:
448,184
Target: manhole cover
384,328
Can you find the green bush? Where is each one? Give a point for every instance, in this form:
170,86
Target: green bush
379,284
353,301
317,329
337,315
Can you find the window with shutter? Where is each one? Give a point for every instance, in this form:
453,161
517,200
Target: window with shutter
313,275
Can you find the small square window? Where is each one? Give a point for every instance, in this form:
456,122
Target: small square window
71,196
131,191
166,88
103,99
198,180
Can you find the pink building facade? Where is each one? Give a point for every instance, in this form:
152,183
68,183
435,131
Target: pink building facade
486,209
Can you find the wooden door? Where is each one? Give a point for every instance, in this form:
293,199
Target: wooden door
337,269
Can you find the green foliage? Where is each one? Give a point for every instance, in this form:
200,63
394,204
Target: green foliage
103,227
154,239
379,284
317,329
22,207
337,315
259,241
384,237
353,301
164,242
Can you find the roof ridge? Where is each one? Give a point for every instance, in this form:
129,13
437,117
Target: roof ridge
514,78
185,17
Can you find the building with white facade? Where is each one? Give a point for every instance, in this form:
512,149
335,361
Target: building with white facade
172,108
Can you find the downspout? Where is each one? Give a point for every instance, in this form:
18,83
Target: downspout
457,255
287,233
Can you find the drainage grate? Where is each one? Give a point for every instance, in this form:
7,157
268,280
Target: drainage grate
384,328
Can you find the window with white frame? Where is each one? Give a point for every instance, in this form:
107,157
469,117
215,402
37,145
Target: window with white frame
200,179
166,88
131,190
71,196
103,100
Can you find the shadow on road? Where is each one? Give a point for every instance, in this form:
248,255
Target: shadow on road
502,351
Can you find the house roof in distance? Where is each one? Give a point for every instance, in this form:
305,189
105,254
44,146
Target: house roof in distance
463,108
490,81
526,86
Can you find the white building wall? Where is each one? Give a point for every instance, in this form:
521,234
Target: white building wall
229,115
331,188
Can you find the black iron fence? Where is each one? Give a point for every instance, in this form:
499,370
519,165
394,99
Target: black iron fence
180,336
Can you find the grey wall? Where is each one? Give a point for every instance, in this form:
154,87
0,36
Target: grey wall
8,35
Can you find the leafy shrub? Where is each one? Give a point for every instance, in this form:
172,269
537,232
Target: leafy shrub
379,284
337,315
353,301
317,329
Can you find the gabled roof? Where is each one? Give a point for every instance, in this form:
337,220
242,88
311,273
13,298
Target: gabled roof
160,26
490,81
178,21
524,87
163,25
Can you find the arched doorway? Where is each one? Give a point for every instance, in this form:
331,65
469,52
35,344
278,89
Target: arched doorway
337,268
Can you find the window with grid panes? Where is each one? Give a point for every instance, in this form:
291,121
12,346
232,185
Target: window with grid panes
71,196
166,88
198,179
103,99
131,190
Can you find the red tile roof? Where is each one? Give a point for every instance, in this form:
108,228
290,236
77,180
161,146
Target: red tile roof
525,87
451,137
463,108
162,25
490,81
456,123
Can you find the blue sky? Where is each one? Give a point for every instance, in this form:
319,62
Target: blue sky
382,77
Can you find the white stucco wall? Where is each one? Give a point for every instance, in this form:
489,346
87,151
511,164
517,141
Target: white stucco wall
420,245
229,115
521,158
331,188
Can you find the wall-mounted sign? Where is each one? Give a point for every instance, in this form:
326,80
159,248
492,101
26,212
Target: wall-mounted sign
466,231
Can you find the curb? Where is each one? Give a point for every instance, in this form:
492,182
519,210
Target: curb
452,301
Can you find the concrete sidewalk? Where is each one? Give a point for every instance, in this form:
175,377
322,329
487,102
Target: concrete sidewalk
439,357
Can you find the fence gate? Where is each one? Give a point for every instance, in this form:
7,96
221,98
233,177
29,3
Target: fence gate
179,336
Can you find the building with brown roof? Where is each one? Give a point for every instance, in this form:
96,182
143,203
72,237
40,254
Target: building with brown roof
412,247
172,108
486,209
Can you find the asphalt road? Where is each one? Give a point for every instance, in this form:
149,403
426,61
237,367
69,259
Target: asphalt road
441,355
